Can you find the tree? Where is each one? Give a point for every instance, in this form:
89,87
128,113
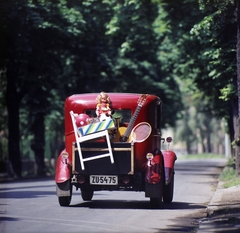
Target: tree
32,62
56,48
134,39
15,70
209,57
237,116
220,22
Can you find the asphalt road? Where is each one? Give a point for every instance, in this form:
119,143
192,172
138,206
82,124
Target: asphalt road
31,206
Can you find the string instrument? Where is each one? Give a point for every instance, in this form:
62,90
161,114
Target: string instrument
125,132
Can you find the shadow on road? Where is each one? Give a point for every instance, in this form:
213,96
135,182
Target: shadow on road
26,194
24,188
133,204
10,219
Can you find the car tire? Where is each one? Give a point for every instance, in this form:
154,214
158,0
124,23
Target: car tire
156,202
87,195
64,190
64,201
168,191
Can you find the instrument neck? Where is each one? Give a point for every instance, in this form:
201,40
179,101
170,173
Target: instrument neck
131,123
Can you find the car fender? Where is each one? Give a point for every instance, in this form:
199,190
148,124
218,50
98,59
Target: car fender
63,168
169,158
153,171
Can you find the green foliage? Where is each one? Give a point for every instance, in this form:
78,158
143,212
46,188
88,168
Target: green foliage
199,51
218,38
202,50
228,92
52,49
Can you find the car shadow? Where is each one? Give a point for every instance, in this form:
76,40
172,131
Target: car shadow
133,204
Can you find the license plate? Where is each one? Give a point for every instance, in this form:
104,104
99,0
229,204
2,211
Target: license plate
103,180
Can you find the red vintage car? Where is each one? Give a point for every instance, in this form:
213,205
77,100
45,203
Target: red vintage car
119,152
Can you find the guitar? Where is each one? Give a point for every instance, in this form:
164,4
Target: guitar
125,132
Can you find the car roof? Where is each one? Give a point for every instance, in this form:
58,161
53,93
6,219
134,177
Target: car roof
79,103
118,100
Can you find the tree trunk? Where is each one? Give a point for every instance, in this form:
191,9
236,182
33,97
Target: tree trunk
237,120
13,99
38,145
209,145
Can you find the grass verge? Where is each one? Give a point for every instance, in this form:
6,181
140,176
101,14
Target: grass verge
201,156
228,175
